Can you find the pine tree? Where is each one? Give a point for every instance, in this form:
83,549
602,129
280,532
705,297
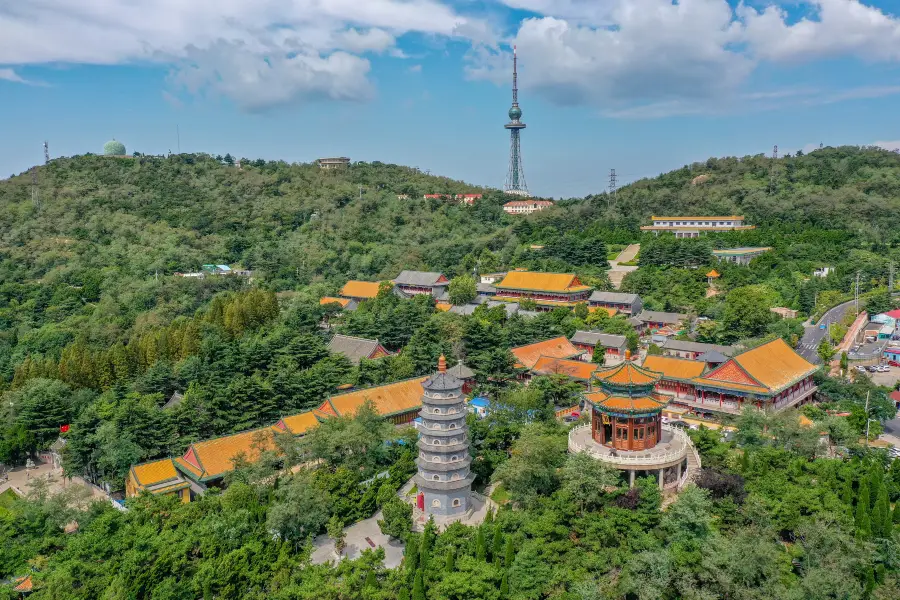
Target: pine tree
896,515
371,581
497,548
504,586
412,555
450,563
418,587
489,517
403,594
876,478
883,512
480,545
510,553
745,461
862,500
847,492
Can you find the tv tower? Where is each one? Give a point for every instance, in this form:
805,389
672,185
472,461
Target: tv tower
515,178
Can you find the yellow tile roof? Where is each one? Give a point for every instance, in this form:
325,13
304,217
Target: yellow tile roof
542,282
610,311
300,423
24,584
389,399
627,403
775,364
731,218
555,348
713,274
360,289
442,306
674,368
154,472
731,385
329,299
211,459
576,369
628,373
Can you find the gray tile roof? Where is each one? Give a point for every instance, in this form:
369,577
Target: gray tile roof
653,316
417,278
617,297
688,346
461,371
485,288
592,338
712,357
354,348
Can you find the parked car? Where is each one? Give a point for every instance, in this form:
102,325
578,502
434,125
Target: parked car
860,369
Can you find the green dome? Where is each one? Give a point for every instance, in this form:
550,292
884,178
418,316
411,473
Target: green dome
114,148
515,113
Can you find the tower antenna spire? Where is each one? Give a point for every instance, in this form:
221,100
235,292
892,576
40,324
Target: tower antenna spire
515,176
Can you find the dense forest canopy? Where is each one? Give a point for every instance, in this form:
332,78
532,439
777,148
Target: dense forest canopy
96,331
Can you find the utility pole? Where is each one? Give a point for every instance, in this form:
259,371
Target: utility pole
856,293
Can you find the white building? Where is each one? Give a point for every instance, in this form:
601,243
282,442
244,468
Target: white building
690,227
525,207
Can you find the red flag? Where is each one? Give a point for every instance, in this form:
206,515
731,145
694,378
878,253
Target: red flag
63,428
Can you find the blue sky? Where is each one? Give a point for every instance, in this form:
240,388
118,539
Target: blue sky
642,86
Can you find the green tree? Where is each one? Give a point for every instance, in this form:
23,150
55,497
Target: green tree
480,545
371,580
532,470
301,510
450,562
826,351
746,312
586,481
599,355
509,553
40,407
418,587
504,585
463,290
397,521
497,545
335,529
845,363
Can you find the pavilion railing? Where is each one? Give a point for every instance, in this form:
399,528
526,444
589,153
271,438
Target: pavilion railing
630,457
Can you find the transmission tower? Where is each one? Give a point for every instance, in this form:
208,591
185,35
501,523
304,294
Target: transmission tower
775,152
612,183
46,152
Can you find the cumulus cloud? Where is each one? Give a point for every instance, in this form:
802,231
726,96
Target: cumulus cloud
260,54
652,58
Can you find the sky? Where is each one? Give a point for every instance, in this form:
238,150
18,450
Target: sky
639,86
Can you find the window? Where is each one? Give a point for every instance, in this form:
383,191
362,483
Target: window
454,458
639,433
436,411
451,411
454,477
435,477
436,459
456,502
436,441
435,503
454,441
452,425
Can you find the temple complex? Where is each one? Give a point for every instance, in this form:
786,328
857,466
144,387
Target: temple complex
626,430
548,290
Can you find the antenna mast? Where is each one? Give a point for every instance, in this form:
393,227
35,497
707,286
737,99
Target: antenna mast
46,152
612,183
775,152
515,176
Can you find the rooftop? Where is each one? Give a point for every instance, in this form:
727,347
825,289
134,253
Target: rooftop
576,369
211,459
542,282
558,347
674,368
653,316
154,472
360,289
690,346
354,348
627,373
616,297
390,399
300,423
742,250
627,404
420,278
730,218
768,368
331,299
592,338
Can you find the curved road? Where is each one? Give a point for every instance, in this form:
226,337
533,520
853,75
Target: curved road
813,335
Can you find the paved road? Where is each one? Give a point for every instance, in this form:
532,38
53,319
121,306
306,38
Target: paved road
616,273
813,335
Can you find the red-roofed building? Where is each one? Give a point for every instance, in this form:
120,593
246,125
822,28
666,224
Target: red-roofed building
895,397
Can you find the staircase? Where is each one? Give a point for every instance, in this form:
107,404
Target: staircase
693,467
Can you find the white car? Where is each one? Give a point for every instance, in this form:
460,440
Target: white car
860,369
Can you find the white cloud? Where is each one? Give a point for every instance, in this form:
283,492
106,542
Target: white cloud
652,58
11,75
892,146
261,53
415,69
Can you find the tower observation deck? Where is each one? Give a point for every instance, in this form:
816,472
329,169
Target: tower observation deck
515,177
